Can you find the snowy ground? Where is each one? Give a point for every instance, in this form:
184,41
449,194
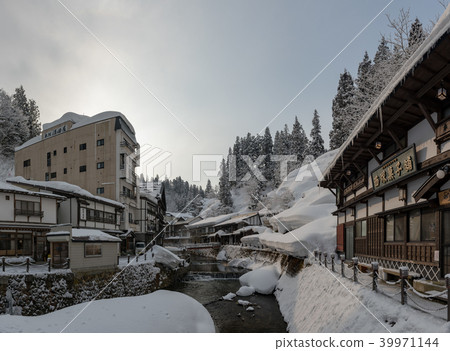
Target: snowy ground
317,300
159,312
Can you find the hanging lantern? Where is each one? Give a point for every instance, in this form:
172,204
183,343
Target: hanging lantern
442,93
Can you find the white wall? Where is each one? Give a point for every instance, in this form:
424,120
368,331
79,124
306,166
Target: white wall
422,135
49,208
412,188
391,199
6,207
375,205
107,260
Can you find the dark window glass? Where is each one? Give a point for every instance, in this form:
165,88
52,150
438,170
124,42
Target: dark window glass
414,225
100,142
27,163
390,228
82,168
53,175
65,170
400,228
100,190
428,225
65,150
47,176
54,152
100,165
83,146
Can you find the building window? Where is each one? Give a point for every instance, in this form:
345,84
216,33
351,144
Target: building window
7,197
422,225
49,159
100,142
47,177
65,170
92,250
83,146
83,168
53,175
100,190
395,227
130,217
122,161
100,165
65,149
361,229
27,163
28,208
54,152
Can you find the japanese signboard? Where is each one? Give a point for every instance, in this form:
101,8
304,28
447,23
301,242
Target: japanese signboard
444,197
394,169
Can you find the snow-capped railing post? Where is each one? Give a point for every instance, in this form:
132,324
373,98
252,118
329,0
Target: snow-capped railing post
325,259
342,257
28,264
128,256
118,259
447,283
137,258
49,262
403,276
320,257
374,275
145,256
315,255
332,262
355,269
3,263
68,263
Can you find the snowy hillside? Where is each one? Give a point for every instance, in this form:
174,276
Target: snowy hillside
302,219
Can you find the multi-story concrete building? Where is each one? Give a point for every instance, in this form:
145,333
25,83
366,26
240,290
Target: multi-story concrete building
98,153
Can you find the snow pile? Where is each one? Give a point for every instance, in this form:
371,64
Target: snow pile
245,291
307,223
229,297
160,312
263,280
244,302
317,301
165,257
222,256
83,234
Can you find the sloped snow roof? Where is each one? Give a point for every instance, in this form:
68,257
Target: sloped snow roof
238,219
16,189
83,234
79,121
210,221
65,188
441,28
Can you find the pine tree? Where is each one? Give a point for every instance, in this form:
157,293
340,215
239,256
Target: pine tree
316,143
208,189
343,111
267,150
416,35
224,188
30,110
298,142
364,95
385,65
13,131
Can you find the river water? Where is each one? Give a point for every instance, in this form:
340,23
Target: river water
209,280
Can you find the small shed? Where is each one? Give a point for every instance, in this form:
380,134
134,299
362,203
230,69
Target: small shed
87,249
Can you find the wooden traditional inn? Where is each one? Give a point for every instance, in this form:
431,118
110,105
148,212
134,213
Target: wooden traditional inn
391,177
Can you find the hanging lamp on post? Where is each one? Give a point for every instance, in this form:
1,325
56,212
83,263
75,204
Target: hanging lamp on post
442,92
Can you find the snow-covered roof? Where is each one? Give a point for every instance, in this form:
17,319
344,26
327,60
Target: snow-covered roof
83,234
80,121
58,233
238,219
16,189
181,215
63,187
149,197
441,29
210,221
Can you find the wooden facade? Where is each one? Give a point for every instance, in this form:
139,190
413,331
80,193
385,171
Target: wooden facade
388,208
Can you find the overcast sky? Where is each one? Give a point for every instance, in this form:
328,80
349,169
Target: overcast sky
223,68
